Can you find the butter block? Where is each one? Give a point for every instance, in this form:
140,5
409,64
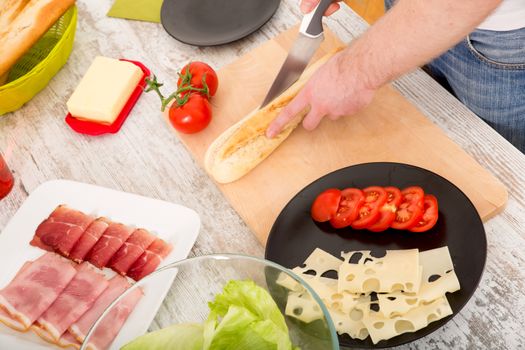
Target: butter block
104,90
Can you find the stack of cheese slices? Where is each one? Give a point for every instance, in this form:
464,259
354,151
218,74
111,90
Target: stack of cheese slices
377,296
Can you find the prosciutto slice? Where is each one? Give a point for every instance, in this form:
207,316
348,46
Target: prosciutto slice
73,302
131,250
67,340
150,259
36,287
110,326
61,230
117,285
110,242
89,238
11,322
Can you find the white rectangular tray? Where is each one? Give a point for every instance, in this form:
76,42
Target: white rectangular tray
171,222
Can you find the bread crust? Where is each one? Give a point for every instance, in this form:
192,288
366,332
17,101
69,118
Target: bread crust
22,23
244,145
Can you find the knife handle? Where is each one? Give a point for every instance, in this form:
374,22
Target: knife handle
312,24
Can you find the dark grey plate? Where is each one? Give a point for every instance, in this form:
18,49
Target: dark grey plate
295,235
215,22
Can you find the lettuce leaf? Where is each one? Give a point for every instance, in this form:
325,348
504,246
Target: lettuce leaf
182,336
243,317
249,295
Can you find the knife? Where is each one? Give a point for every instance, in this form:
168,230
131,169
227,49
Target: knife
305,45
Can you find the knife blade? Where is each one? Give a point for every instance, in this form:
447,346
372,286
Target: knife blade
304,47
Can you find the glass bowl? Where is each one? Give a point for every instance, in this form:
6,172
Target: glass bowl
181,292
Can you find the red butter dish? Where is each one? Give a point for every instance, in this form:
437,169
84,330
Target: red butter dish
94,129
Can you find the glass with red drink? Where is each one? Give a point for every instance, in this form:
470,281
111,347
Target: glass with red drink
6,178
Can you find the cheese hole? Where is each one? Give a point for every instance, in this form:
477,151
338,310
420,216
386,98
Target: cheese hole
336,305
396,287
431,318
433,278
350,277
369,272
371,284
363,333
403,326
391,298
330,274
439,311
394,314
410,286
356,315
367,260
411,301
379,263
310,272
337,296
379,325
354,258
298,311
340,324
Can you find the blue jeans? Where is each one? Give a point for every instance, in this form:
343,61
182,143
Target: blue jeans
486,71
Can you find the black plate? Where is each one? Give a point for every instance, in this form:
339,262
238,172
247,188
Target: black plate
214,22
295,235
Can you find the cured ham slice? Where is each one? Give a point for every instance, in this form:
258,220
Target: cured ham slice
131,250
110,242
34,289
89,238
117,286
67,340
73,302
5,318
11,322
110,326
61,230
150,259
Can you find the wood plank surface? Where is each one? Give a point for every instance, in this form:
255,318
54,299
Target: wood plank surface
390,129
148,158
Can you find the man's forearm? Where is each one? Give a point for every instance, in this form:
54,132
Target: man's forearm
410,35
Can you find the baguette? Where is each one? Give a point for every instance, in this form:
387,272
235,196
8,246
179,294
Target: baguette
244,145
22,23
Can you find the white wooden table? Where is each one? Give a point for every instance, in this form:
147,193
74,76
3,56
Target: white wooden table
147,158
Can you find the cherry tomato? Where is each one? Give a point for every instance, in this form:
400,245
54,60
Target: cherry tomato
388,211
325,205
191,117
411,208
368,213
430,214
198,70
351,200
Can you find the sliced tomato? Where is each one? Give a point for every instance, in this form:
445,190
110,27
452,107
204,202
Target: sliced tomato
388,211
368,213
351,201
325,205
411,208
430,214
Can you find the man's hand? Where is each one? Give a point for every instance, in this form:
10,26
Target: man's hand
335,90
409,35
307,6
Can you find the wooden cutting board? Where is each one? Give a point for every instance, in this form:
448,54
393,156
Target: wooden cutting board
390,129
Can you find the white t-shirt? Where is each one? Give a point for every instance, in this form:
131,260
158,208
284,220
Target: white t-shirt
509,15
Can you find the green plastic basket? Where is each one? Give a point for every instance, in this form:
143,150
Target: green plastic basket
34,70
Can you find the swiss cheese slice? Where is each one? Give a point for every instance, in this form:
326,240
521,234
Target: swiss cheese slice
303,306
381,328
398,270
437,279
